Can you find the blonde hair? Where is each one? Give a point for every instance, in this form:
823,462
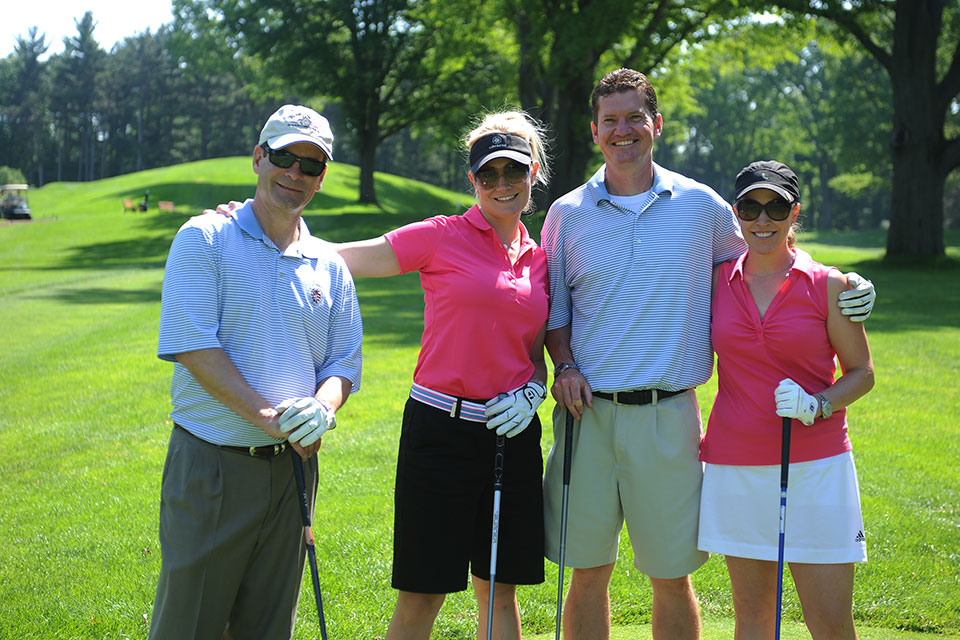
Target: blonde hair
520,124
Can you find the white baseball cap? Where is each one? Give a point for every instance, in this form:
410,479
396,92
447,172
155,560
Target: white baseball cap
295,123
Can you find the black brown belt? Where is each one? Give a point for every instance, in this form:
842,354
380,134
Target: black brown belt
640,396
264,451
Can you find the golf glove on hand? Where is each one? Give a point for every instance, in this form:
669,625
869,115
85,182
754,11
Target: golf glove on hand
510,415
794,402
857,302
307,418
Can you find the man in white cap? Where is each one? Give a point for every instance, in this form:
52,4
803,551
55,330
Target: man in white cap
262,323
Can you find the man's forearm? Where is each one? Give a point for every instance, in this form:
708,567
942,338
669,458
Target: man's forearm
216,373
334,391
558,345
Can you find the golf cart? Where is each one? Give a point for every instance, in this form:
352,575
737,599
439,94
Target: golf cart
13,202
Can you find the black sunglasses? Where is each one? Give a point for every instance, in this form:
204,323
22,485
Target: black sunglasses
488,177
777,210
285,160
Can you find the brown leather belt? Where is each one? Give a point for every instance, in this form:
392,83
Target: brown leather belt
640,396
264,451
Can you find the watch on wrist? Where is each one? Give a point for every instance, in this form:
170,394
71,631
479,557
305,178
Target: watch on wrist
561,367
826,408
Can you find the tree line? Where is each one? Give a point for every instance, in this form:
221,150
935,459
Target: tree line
861,99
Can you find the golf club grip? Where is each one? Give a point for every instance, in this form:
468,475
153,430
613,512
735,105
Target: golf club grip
567,448
301,489
785,452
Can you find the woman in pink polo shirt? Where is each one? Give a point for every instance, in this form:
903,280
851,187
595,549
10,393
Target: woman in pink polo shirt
776,329
485,295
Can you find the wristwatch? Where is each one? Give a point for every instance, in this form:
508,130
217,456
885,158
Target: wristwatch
826,408
561,367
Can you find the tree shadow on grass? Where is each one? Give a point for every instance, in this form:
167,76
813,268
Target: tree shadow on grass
191,199
912,296
349,226
103,295
392,309
136,253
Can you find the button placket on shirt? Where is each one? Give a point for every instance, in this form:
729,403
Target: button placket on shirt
510,271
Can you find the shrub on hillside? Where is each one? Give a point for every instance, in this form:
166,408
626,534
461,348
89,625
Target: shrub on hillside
9,175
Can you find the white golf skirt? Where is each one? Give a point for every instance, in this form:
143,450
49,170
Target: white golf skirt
740,512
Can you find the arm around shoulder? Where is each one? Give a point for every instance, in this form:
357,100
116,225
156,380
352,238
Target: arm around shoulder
369,258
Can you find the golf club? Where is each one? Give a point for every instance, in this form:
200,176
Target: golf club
567,460
308,536
497,487
784,470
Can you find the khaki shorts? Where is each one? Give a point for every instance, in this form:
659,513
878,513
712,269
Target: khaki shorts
637,464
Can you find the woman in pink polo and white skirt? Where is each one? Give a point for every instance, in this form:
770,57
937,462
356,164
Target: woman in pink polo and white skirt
777,330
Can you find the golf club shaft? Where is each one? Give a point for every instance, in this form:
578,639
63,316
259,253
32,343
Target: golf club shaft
495,533
308,537
567,462
784,472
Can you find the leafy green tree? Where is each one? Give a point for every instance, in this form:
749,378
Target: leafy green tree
720,102
74,96
841,100
26,97
11,175
137,107
224,95
391,63
562,43
918,44
791,92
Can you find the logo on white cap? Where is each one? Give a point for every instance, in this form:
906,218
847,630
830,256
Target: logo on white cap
295,123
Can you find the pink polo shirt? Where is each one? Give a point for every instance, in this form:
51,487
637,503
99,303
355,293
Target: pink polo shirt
754,354
481,314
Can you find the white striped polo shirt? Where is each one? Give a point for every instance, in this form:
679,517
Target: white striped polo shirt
635,285
288,320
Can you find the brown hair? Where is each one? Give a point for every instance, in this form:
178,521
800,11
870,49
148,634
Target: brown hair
624,80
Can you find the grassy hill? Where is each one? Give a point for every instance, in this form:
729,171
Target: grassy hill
85,423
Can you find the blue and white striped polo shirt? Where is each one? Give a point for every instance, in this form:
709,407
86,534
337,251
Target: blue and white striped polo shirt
288,320
635,285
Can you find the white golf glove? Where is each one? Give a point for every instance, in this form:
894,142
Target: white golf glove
307,418
857,302
794,402
511,414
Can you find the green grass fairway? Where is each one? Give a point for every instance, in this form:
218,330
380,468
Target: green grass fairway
84,425
723,628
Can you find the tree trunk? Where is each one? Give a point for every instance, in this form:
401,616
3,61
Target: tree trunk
60,154
573,142
916,215
916,205
825,173
140,137
368,157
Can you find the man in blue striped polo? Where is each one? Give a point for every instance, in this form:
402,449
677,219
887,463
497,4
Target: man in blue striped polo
630,257
262,323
